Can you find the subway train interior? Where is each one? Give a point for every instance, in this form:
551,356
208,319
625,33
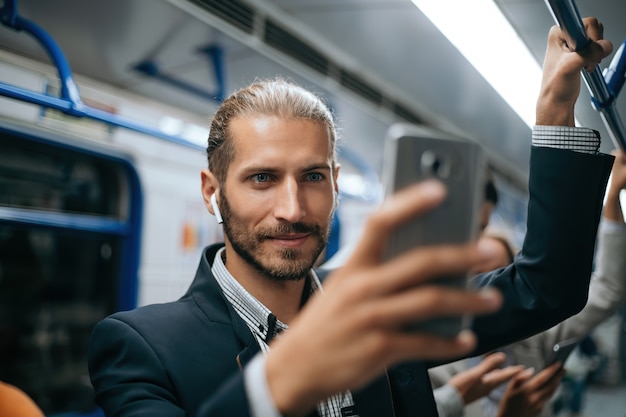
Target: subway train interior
104,114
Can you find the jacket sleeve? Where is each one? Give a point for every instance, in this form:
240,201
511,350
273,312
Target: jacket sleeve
549,279
126,373
130,379
607,290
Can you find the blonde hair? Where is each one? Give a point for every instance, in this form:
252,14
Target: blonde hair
277,97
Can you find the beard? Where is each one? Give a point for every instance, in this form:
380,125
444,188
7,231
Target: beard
281,264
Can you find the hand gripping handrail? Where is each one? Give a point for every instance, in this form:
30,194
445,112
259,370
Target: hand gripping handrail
603,91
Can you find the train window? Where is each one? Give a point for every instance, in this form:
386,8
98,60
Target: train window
34,175
53,288
59,277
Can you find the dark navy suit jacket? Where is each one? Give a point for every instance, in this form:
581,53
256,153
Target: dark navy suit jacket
185,358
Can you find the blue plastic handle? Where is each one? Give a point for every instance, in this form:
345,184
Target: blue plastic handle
615,73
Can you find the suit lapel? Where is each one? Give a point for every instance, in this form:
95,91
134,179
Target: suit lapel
248,353
209,297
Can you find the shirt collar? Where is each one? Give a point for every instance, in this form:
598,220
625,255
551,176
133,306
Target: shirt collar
259,318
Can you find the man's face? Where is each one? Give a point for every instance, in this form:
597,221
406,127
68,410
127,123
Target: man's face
278,196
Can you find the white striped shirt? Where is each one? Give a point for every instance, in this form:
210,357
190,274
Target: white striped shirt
264,325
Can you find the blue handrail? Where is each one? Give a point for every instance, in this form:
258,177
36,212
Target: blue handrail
69,91
603,92
69,101
214,53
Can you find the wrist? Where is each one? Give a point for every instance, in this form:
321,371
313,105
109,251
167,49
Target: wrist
291,396
553,112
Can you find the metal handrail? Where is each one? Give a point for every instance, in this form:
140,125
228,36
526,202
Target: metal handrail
565,14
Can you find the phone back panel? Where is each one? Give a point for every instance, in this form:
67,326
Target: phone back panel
414,154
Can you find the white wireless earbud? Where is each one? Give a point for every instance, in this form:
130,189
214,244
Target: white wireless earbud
216,209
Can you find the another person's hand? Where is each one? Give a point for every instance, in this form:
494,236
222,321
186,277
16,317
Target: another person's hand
560,85
347,335
613,208
526,395
618,173
480,380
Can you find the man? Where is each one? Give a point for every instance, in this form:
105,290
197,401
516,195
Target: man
219,350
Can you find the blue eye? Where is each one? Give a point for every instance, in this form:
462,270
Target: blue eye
316,177
261,178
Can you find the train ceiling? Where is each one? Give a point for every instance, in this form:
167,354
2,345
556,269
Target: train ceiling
385,53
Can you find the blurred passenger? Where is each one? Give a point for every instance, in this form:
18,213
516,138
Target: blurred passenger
255,335
491,201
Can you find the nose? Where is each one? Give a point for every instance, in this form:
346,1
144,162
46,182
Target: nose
289,206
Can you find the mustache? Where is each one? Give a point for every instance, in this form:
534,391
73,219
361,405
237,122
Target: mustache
285,228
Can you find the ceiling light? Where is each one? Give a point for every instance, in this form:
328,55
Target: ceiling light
479,30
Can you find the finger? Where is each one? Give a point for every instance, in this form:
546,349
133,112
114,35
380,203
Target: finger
520,379
399,208
419,304
491,362
413,345
543,394
591,54
421,265
545,376
499,376
599,48
594,29
557,36
595,52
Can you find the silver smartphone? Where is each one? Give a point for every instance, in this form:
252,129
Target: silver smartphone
413,154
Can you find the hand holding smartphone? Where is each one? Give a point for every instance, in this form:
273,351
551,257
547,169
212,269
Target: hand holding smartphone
415,154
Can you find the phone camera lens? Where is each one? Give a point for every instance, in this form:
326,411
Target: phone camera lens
434,165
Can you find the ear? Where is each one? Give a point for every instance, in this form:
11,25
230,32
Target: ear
209,188
335,177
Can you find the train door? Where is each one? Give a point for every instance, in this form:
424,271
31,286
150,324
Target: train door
70,220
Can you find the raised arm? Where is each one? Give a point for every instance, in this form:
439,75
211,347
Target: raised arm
566,192
607,291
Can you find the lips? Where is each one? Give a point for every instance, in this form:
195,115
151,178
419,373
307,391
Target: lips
290,240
